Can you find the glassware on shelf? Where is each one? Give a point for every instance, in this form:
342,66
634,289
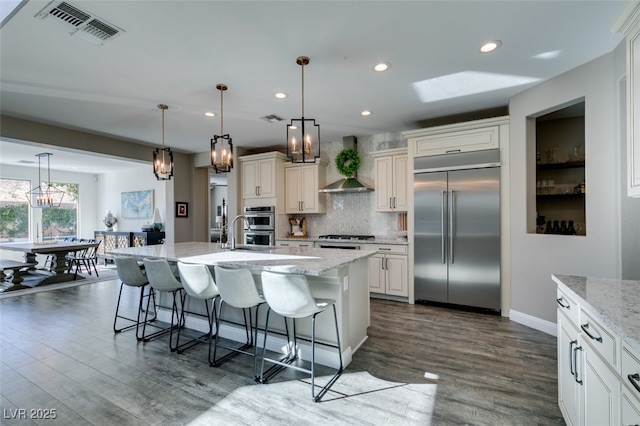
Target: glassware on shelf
551,185
552,156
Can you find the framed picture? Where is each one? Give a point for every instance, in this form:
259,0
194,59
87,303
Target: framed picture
182,209
137,204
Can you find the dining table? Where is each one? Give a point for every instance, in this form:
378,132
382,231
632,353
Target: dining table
56,270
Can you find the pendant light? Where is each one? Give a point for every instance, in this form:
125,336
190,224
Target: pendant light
222,155
45,194
163,157
303,134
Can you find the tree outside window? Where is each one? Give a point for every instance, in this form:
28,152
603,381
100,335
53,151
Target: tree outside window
14,209
54,222
60,222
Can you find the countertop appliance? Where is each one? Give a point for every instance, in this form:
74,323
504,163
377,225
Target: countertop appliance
457,229
345,242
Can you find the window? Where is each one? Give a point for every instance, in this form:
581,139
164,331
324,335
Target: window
60,222
14,209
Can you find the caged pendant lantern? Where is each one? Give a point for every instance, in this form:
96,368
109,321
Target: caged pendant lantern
163,157
303,134
222,155
45,195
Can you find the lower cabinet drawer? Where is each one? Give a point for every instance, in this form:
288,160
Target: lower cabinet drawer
569,306
601,339
630,371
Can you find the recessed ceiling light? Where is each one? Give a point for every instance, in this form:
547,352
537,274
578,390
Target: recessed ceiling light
210,114
293,127
382,66
365,113
281,95
490,46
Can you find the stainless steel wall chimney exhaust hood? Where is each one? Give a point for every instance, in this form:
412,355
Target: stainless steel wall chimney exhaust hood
349,184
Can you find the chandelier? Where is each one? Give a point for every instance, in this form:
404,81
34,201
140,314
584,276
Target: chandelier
222,155
45,195
163,157
303,134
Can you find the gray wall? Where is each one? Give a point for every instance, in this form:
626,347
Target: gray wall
536,257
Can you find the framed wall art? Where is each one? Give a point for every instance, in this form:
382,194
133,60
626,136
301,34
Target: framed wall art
137,204
182,209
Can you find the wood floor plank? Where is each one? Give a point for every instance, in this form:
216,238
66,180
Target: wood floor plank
58,350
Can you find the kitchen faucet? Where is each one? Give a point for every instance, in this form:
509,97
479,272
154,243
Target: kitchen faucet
232,245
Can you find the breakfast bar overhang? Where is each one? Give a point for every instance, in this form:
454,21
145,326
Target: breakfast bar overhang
342,275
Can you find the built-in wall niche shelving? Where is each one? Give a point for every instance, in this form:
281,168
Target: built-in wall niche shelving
560,185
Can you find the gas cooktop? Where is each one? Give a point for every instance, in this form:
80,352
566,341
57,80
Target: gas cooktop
347,237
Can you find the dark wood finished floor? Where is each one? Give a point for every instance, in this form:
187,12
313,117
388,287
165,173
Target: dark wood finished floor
58,352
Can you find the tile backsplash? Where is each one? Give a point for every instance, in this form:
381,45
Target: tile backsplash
352,213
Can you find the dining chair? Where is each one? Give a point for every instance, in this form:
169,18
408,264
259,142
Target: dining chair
87,258
198,284
290,296
162,279
238,290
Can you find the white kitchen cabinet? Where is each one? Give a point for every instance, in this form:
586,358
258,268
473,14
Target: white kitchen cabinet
391,172
453,138
601,391
301,188
630,413
591,370
629,25
630,375
261,174
570,360
388,270
291,243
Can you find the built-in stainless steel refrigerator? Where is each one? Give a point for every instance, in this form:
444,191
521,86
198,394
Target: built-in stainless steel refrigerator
457,229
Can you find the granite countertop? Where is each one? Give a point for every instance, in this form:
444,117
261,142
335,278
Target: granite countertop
294,260
616,303
377,240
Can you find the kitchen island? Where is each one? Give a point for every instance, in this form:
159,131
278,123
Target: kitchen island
341,275
598,350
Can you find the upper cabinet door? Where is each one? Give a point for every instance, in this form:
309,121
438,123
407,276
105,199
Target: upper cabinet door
391,168
384,184
629,25
400,182
301,188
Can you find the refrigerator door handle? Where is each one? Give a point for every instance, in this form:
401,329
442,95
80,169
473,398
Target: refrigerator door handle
443,233
451,225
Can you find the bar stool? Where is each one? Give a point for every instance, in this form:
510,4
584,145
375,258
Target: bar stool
238,289
161,278
131,275
290,296
198,283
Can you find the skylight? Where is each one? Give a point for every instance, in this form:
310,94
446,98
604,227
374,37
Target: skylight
466,83
8,8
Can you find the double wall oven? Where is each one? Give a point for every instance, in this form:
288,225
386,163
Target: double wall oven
262,226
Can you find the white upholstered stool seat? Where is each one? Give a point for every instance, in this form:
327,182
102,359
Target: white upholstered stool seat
238,289
131,275
199,284
162,279
290,296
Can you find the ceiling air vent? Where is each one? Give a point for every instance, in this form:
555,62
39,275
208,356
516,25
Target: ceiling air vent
272,118
81,23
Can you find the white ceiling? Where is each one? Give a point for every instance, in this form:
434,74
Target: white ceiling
175,52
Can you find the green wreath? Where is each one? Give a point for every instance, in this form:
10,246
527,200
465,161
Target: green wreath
348,162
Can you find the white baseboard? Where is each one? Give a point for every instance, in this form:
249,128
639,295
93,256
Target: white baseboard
534,322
